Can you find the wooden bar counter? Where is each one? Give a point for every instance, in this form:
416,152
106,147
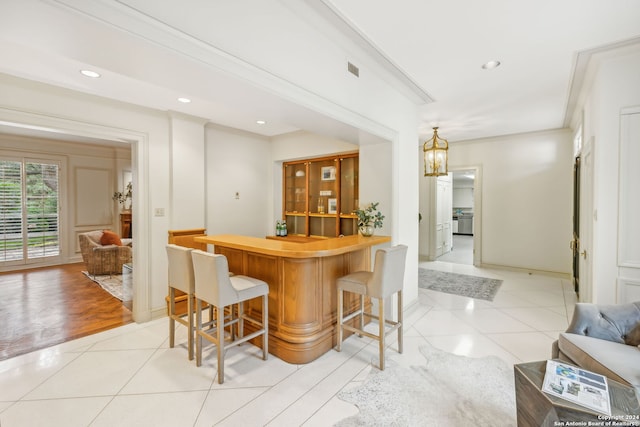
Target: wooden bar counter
302,286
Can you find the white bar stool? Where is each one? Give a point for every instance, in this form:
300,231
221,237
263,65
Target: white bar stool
214,286
386,279
181,277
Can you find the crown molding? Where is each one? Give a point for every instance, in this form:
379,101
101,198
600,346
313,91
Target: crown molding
583,71
338,21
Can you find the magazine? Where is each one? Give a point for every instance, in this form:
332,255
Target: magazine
576,385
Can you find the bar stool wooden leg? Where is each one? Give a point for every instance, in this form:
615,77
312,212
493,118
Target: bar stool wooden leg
381,332
361,314
340,302
240,320
265,326
220,343
400,322
172,322
190,325
198,329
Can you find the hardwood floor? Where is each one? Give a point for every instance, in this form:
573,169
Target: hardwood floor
46,306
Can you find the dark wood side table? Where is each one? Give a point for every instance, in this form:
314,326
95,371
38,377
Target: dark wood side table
536,408
125,224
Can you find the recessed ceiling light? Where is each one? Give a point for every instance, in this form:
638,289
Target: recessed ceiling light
184,100
89,73
491,65
261,122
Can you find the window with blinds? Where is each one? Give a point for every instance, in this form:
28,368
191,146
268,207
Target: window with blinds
29,210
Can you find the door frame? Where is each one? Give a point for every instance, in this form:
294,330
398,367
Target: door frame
575,242
140,169
584,245
477,213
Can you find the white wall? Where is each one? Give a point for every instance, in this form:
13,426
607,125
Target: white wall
615,86
526,198
462,197
237,162
303,144
187,171
376,182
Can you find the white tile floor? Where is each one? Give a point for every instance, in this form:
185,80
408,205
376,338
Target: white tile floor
461,250
129,377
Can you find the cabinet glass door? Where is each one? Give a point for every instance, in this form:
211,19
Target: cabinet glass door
348,195
295,197
323,198
348,185
295,187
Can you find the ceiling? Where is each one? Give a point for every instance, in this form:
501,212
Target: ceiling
435,49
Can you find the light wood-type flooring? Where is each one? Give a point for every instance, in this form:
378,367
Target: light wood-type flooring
46,306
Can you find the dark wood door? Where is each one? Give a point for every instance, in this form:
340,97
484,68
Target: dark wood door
575,243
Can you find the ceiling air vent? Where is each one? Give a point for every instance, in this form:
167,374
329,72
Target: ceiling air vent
353,69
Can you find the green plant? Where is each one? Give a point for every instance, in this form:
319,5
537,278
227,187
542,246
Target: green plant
121,197
370,216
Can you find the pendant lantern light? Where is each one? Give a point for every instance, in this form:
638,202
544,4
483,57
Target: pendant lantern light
436,152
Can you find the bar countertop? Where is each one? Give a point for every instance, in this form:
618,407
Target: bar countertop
301,273
290,249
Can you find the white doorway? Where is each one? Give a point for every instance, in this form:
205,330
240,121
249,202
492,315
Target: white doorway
461,211
51,127
466,242
461,250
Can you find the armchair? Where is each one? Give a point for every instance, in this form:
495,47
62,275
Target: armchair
604,339
103,259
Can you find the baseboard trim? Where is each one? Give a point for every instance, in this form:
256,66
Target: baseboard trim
566,276
158,313
411,307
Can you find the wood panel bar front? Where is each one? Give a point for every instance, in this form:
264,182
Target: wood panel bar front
302,286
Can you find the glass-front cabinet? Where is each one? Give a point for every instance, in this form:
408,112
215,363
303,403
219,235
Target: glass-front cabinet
320,196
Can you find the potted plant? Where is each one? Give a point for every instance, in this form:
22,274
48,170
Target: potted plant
369,219
122,197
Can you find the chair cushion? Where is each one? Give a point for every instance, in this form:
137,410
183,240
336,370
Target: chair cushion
248,287
607,322
110,238
355,282
94,236
617,361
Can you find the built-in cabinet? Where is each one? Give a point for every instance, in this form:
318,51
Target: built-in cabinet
125,225
320,196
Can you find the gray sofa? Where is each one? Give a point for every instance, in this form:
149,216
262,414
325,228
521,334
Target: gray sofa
604,339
